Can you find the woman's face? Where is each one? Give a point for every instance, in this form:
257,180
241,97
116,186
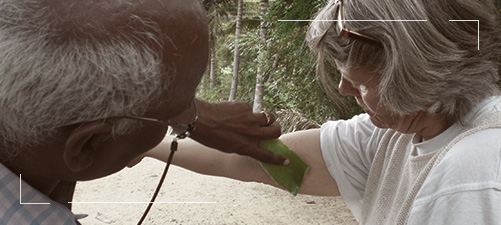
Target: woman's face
363,85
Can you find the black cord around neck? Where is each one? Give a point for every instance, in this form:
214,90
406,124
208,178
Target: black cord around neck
173,149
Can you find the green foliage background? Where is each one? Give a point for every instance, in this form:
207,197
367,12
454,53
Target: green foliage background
292,83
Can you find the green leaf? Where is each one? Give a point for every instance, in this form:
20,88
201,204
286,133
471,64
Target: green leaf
289,177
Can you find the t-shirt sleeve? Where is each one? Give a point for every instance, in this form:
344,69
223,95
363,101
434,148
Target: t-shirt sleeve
348,148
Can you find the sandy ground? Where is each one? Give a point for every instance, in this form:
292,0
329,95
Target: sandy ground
190,198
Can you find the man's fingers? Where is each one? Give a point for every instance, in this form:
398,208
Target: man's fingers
265,118
271,131
266,156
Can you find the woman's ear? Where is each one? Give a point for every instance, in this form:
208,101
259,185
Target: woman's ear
83,143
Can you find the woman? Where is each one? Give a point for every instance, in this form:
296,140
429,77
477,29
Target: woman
427,150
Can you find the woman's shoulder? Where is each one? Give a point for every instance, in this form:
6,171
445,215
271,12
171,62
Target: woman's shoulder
470,168
477,153
474,162
478,150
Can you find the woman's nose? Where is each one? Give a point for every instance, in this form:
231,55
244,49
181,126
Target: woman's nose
346,88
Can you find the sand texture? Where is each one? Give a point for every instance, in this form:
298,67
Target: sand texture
190,198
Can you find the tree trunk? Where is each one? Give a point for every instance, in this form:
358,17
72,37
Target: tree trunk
236,58
259,93
212,71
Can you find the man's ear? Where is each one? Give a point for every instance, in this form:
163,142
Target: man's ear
82,144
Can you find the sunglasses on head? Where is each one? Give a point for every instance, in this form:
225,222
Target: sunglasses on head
340,24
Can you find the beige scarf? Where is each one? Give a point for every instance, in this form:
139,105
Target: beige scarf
396,176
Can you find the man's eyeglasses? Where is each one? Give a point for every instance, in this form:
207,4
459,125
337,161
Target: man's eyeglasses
340,24
181,130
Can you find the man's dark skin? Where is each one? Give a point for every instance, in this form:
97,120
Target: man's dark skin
84,151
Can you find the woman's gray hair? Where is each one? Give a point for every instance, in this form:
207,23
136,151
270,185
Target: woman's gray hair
55,73
433,65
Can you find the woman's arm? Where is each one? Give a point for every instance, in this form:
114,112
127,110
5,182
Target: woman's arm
198,158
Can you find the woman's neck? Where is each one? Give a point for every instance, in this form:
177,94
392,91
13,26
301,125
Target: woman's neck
432,126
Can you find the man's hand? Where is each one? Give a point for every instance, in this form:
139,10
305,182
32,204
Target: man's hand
232,127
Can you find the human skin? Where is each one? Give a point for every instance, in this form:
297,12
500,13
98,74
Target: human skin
358,83
362,84
85,151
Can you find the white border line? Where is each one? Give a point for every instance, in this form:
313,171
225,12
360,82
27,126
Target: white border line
143,202
21,195
354,20
478,23
478,28
22,203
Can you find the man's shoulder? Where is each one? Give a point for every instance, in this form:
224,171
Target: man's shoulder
23,204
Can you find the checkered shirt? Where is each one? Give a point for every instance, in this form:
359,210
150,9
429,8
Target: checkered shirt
27,209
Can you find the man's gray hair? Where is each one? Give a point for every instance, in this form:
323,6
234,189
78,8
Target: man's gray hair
54,73
433,65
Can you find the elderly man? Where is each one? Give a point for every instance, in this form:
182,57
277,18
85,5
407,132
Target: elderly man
84,88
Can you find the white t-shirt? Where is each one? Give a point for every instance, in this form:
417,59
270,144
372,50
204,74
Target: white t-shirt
464,188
